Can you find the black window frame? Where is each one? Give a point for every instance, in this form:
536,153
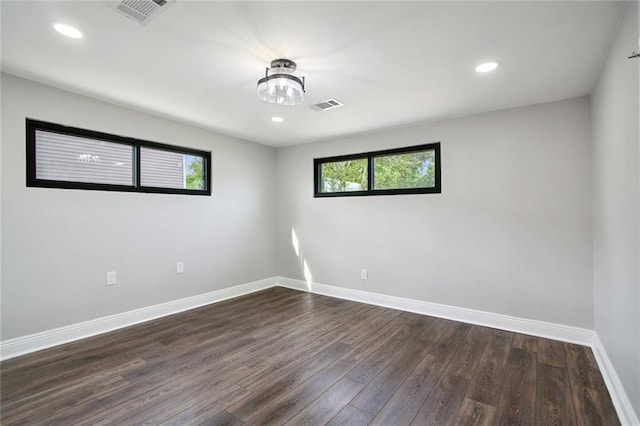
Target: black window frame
369,156
32,181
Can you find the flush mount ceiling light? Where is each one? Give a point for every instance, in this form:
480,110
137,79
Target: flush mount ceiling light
279,85
68,30
486,67
277,119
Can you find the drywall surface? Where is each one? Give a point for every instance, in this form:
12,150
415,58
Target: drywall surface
510,233
616,227
57,244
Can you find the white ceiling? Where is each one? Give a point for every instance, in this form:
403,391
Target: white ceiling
390,63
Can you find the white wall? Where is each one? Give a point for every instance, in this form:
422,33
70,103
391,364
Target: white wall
616,227
57,244
510,233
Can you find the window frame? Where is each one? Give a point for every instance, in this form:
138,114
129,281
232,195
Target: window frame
32,180
370,156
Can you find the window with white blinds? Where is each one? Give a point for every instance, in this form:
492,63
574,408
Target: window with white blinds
68,157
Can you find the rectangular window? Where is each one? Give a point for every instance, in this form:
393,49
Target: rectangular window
68,157
408,170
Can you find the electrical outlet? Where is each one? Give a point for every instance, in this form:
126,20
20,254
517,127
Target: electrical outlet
111,278
364,274
179,267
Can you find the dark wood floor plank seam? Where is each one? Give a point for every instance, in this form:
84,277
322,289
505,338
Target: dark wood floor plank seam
204,408
351,416
272,372
554,400
307,348
379,390
443,402
297,398
486,383
297,339
518,396
472,412
267,390
327,405
404,404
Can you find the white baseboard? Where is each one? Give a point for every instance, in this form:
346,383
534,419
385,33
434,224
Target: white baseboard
547,330
46,339
619,397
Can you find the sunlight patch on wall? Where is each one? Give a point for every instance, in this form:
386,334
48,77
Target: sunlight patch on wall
307,275
294,242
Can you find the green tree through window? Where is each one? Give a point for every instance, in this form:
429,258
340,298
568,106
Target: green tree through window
344,176
412,170
194,172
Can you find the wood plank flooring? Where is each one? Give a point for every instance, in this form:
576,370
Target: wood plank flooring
281,356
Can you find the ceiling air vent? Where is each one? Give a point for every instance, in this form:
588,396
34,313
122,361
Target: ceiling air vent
142,11
328,104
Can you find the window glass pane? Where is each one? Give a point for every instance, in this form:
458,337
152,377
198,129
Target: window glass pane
400,171
344,176
168,169
194,172
77,159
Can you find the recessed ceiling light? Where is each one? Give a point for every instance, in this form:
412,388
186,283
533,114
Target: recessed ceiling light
486,67
68,30
277,119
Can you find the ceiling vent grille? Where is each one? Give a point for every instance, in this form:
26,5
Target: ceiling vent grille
328,104
142,11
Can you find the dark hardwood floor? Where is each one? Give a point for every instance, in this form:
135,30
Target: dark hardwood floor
286,357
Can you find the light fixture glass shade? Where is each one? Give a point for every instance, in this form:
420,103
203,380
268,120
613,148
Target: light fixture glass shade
280,86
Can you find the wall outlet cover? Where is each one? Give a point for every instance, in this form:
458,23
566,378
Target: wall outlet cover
111,278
